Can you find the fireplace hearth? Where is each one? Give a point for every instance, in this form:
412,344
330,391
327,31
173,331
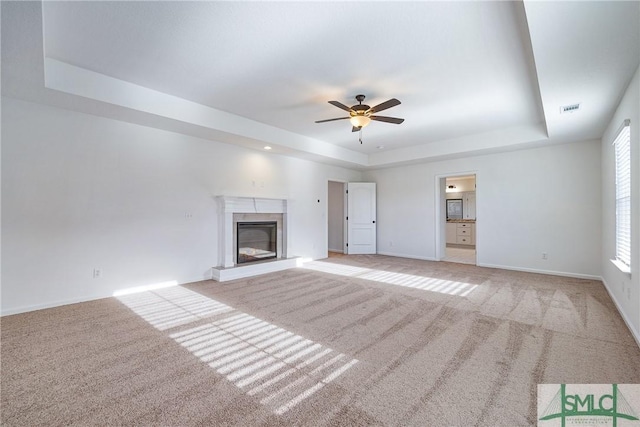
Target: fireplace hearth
256,241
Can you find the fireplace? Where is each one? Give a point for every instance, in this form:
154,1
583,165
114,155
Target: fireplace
231,211
234,210
256,241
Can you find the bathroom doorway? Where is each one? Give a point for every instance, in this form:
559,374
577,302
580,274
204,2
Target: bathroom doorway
459,219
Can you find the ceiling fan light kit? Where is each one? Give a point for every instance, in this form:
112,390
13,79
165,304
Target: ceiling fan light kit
360,115
360,120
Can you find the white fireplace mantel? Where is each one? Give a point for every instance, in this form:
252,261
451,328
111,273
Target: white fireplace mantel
233,205
228,206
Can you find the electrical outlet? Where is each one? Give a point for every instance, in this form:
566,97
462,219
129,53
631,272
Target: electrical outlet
188,215
97,273
544,255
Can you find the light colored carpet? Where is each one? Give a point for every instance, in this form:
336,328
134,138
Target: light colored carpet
351,340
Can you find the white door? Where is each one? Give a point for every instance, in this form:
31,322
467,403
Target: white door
361,218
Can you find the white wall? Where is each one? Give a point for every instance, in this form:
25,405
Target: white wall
336,216
81,192
624,288
528,202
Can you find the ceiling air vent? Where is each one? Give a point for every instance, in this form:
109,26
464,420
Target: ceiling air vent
569,108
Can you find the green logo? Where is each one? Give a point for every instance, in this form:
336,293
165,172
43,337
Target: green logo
613,405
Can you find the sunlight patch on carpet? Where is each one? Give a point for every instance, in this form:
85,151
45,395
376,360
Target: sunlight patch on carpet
262,359
278,367
399,279
173,306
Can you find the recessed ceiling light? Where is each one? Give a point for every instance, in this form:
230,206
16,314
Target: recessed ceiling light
380,147
266,147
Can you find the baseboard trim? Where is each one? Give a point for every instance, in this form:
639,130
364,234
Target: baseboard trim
340,251
44,306
634,333
60,303
407,256
548,272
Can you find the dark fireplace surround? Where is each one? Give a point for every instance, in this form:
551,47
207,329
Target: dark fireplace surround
249,217
256,241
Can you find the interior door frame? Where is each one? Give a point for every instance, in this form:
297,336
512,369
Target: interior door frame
344,214
441,211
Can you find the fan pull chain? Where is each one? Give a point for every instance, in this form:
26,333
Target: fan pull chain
360,137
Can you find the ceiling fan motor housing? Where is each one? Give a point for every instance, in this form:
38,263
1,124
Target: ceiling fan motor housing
359,109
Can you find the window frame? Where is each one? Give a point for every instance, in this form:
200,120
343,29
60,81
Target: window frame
622,183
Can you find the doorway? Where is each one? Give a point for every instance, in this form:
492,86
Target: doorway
457,219
335,217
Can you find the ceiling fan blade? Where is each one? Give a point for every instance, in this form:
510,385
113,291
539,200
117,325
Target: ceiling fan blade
340,105
387,119
356,128
330,120
387,104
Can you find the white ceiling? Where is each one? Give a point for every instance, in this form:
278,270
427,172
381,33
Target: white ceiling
473,77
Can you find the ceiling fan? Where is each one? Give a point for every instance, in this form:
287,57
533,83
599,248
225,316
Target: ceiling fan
361,115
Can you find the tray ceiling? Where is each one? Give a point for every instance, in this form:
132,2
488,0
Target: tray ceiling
473,77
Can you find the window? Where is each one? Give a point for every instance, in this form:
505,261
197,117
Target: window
622,146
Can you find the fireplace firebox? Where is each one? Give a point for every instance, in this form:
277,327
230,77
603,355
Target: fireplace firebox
256,241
